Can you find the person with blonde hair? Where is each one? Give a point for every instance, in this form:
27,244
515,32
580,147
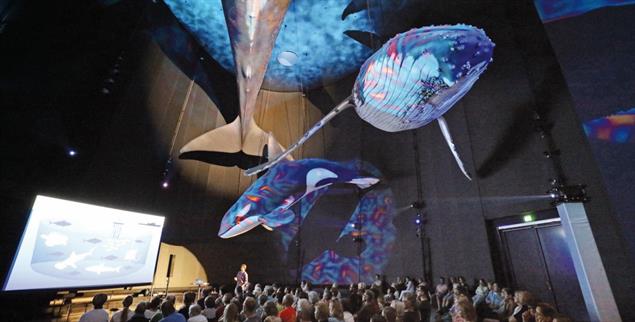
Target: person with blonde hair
336,311
230,314
322,311
464,310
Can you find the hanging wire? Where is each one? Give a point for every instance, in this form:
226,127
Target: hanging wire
177,129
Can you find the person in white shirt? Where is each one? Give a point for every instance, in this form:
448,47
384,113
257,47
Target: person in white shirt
125,314
195,314
97,314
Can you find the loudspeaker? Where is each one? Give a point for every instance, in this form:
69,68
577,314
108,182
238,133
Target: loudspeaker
171,265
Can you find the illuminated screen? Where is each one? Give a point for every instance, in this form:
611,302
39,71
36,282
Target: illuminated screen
69,244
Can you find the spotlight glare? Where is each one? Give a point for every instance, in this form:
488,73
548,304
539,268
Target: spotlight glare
165,185
72,153
417,221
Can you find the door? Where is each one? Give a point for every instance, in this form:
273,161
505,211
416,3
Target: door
537,259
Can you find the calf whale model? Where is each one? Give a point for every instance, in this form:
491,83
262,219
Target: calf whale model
412,80
269,200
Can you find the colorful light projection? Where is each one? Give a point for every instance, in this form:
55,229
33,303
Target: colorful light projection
371,223
269,201
552,10
616,128
412,80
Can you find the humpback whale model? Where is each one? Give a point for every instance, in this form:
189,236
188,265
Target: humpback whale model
413,80
253,27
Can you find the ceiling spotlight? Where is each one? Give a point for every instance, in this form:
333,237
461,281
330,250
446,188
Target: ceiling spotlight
165,184
287,58
418,221
72,153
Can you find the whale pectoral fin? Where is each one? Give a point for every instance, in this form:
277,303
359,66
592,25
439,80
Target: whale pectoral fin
280,216
443,125
364,182
224,139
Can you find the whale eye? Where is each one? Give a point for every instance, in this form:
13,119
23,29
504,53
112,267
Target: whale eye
239,219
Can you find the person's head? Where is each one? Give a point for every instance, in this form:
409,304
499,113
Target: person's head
314,297
368,296
389,313
230,314
250,306
262,299
507,293
326,295
243,267
141,308
210,302
127,301
195,310
466,310
189,298
544,312
482,282
336,310
321,311
171,299
227,298
441,280
288,300
494,287
271,309
409,301
167,308
99,300
272,318
154,303
522,297
377,318
307,312
461,280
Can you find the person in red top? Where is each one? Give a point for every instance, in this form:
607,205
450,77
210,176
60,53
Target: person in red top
288,314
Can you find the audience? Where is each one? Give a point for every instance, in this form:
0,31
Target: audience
97,314
406,300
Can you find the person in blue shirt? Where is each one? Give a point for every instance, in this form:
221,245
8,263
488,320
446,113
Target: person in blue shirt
170,314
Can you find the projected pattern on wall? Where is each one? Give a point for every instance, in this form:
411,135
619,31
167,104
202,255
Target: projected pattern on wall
616,128
371,222
550,10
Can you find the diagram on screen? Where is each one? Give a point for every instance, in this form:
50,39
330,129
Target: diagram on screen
87,250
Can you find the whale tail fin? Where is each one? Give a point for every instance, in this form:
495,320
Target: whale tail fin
228,146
